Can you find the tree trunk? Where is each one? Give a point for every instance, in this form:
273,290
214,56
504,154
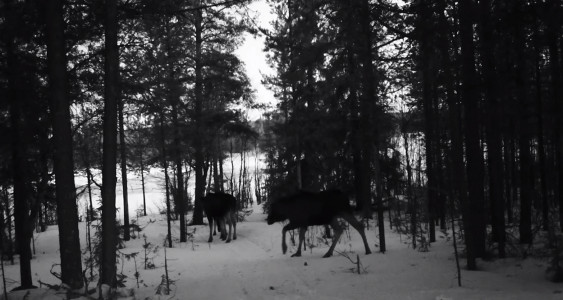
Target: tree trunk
215,165
494,140
166,181
540,119
21,188
554,33
221,173
231,179
111,79
198,143
89,183
43,184
143,182
513,172
368,99
67,211
180,200
526,167
425,58
122,148
457,165
475,230
368,106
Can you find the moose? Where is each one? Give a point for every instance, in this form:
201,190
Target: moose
221,208
305,209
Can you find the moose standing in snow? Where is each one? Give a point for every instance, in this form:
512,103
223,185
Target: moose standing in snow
221,208
305,209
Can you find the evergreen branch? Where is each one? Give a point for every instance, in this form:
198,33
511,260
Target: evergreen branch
393,8
185,10
399,32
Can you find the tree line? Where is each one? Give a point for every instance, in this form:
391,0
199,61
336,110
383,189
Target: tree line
454,104
90,86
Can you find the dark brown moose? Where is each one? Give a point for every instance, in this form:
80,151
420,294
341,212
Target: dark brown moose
221,208
305,209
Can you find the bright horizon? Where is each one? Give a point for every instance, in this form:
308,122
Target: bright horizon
252,53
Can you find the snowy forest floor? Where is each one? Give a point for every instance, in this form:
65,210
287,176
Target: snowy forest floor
253,267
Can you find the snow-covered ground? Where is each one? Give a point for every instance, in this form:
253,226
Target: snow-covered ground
253,267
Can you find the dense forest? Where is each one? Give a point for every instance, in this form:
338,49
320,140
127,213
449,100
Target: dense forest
430,115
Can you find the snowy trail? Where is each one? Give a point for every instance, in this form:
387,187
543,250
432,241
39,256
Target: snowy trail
253,267
246,268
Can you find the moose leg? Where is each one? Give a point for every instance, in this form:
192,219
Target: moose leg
359,227
210,220
337,232
234,221
222,228
302,232
327,232
284,245
285,229
229,221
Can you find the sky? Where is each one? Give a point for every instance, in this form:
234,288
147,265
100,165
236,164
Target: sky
251,52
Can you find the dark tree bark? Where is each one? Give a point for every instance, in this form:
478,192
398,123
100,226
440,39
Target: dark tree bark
541,130
494,139
368,104
455,155
221,173
67,211
123,156
166,181
525,162
217,185
174,100
198,111
21,193
111,79
352,100
554,39
559,122
179,174
20,168
475,208
143,180
512,196
425,19
44,175
367,99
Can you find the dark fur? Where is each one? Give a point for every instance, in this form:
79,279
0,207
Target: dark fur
305,209
221,208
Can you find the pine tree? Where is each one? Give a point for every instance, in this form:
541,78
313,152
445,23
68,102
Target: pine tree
67,212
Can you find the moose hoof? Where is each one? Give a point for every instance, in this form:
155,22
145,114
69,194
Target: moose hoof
296,255
227,241
368,252
210,240
327,255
